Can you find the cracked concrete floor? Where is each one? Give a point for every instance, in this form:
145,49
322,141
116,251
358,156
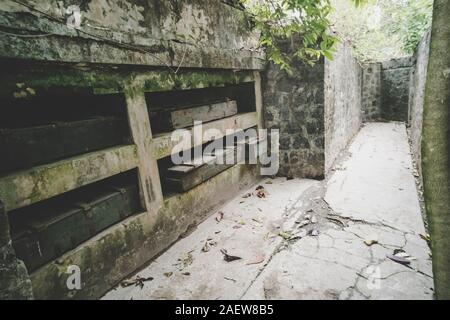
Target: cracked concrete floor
306,238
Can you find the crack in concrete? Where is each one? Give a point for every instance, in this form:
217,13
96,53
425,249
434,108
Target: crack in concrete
315,202
279,247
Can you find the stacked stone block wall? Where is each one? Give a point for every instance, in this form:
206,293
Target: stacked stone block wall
371,92
395,89
294,104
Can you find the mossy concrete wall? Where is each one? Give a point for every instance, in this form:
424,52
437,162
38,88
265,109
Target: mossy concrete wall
148,45
197,34
343,102
418,78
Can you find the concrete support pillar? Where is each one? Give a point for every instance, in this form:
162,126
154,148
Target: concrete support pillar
258,99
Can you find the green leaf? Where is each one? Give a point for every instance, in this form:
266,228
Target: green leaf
327,54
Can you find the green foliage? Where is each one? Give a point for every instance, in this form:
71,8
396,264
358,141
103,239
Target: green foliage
382,29
378,29
304,23
411,19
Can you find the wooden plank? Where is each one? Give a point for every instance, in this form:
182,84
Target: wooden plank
162,145
27,147
39,183
48,231
181,178
150,183
171,119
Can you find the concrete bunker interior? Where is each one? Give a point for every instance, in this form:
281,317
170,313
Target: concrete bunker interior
67,99
97,135
69,112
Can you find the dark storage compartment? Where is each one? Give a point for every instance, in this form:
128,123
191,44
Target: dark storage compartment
45,231
28,147
51,126
175,109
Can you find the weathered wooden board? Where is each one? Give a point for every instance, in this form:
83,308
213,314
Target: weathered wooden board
28,147
45,232
186,176
171,119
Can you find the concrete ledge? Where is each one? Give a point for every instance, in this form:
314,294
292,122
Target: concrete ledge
162,145
67,49
199,34
111,78
39,183
113,254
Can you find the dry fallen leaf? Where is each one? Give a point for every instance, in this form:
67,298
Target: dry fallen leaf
397,259
285,235
256,220
370,242
185,260
227,257
302,223
425,237
229,279
138,282
219,216
168,274
261,192
206,247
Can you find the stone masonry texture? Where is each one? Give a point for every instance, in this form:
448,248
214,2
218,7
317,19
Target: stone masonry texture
385,90
371,92
395,89
294,104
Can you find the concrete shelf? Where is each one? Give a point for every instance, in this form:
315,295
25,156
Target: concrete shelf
123,247
29,186
162,145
